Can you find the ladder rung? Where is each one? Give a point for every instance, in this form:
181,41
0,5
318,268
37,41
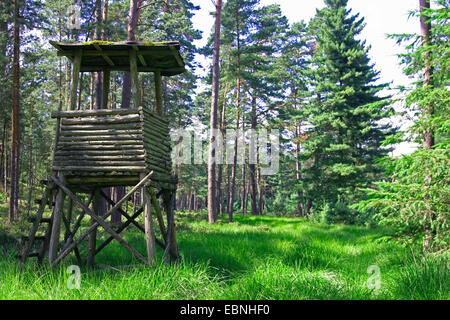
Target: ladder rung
26,238
30,255
43,220
38,201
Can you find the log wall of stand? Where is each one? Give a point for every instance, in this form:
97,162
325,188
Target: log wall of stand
115,146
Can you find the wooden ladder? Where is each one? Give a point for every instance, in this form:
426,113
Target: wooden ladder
38,220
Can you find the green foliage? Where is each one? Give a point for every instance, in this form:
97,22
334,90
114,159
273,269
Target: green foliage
345,134
252,258
418,197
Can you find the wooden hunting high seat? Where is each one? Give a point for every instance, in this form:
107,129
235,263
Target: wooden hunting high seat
107,148
96,149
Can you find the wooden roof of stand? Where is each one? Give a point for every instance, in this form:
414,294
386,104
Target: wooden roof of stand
163,57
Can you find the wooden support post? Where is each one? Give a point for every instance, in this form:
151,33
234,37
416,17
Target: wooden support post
99,220
56,223
106,84
134,78
171,243
93,235
69,218
158,93
34,228
149,228
158,214
75,79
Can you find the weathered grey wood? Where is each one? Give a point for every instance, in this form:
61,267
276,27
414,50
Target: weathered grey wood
157,137
99,221
153,151
35,226
149,228
93,235
100,164
156,116
163,163
100,169
154,138
171,243
102,180
109,132
158,93
112,53
105,89
69,219
112,203
101,142
94,147
122,227
103,120
158,212
151,123
93,113
101,126
75,79
77,223
94,138
106,153
79,157
134,78
56,225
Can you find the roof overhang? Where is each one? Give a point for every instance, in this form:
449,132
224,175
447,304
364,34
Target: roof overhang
163,57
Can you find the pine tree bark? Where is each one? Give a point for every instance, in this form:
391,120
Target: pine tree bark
213,118
219,191
238,100
298,168
131,29
15,119
428,139
252,156
425,27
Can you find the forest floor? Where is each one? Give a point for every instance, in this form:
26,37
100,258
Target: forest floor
251,258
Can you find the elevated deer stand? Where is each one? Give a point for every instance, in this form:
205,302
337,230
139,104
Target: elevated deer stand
97,149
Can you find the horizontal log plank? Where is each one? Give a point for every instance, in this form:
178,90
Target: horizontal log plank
83,157
157,151
101,120
131,152
93,113
157,134
147,112
150,123
100,169
101,143
95,127
100,163
101,138
110,132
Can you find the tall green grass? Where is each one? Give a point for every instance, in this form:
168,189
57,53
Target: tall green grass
251,258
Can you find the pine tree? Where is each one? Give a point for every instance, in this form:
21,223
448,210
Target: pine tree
345,135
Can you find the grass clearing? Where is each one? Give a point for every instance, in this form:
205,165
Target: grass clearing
251,258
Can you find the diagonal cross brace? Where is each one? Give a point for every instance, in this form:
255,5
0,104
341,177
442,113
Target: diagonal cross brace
99,221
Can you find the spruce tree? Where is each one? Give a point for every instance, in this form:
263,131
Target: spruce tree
345,111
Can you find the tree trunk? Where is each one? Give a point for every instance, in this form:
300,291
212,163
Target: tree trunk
132,24
212,212
220,166
252,158
299,174
15,120
428,139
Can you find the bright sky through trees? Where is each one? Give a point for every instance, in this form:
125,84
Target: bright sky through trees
382,17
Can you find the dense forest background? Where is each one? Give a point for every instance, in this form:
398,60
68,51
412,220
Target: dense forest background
312,81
